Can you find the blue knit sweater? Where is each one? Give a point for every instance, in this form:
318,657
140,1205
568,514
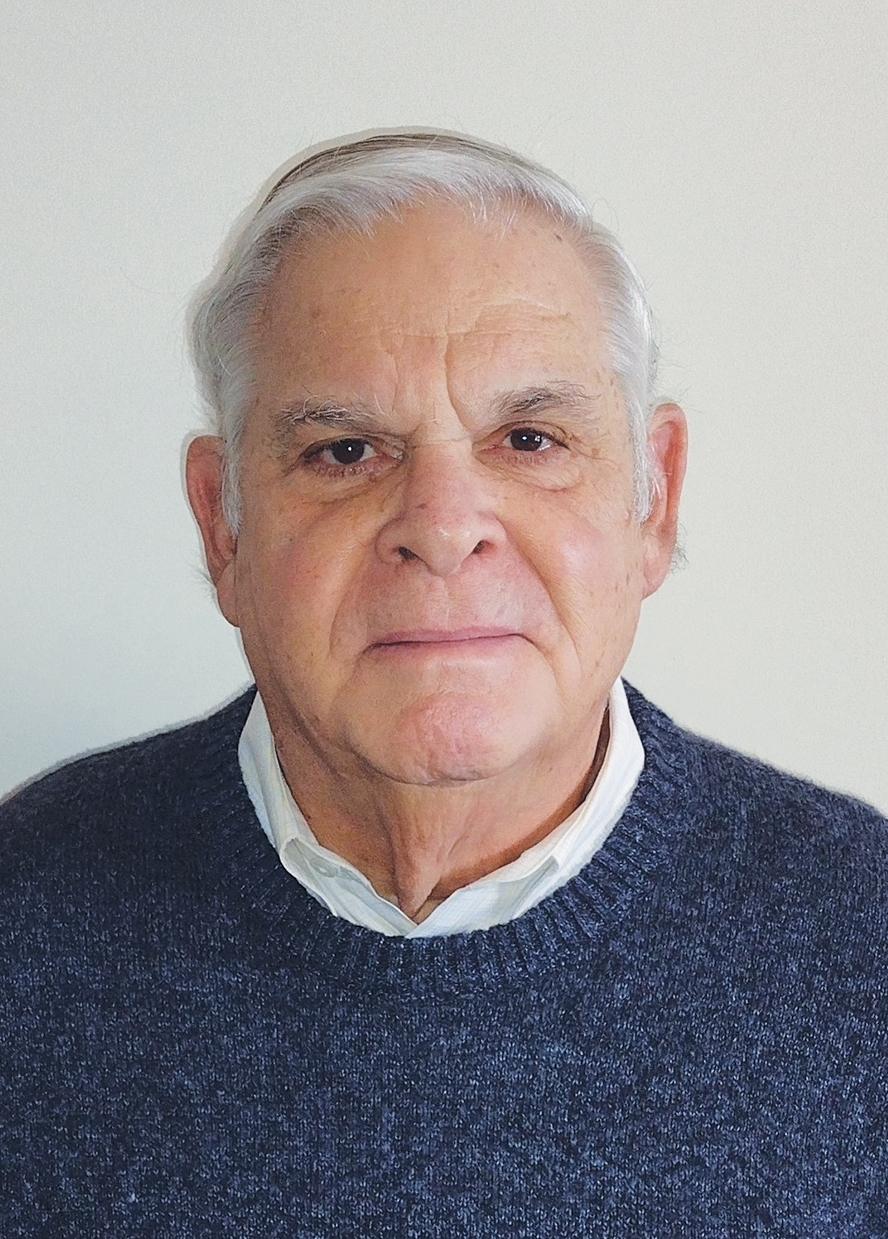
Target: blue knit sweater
688,1039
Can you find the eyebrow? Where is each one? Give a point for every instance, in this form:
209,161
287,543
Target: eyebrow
350,419
360,419
540,399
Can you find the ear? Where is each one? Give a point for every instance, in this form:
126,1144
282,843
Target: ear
668,454
203,481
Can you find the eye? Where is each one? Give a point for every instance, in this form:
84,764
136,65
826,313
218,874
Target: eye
526,439
344,452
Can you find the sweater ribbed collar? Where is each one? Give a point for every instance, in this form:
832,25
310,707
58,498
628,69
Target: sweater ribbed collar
565,926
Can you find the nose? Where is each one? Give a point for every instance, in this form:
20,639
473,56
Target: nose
444,515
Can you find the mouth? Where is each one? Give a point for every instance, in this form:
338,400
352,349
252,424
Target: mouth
455,640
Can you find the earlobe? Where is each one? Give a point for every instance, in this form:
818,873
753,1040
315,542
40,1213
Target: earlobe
203,481
668,451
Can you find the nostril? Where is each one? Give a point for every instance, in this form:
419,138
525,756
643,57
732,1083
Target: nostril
482,545
406,553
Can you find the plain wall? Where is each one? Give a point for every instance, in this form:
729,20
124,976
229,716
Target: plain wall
740,153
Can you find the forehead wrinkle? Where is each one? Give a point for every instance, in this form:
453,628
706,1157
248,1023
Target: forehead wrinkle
537,313
463,319
453,331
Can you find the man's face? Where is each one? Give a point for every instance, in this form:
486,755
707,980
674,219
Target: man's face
438,573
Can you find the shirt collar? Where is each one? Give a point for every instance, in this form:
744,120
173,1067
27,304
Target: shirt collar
491,900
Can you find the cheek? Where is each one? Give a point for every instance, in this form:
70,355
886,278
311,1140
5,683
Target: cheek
296,571
598,555
593,576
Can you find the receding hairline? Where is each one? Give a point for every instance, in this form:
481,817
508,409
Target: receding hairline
308,246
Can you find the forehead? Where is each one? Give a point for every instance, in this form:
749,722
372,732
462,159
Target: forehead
432,289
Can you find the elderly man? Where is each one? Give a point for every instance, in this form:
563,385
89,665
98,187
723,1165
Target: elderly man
442,931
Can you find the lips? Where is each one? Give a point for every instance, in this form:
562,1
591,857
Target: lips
441,636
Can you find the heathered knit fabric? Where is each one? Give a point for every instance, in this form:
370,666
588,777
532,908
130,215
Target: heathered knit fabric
688,1039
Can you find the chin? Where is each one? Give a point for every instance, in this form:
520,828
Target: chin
449,741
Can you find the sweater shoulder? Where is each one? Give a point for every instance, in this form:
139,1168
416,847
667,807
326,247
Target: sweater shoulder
127,782
759,812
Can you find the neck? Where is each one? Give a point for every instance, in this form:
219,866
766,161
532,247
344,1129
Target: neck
418,843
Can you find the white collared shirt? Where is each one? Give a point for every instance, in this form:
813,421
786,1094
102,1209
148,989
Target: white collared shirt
498,897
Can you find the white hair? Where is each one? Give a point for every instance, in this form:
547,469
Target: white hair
350,186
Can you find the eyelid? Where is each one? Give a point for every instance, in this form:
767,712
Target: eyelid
556,435
314,449
312,457
378,442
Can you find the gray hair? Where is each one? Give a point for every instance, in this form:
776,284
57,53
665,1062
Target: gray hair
350,186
